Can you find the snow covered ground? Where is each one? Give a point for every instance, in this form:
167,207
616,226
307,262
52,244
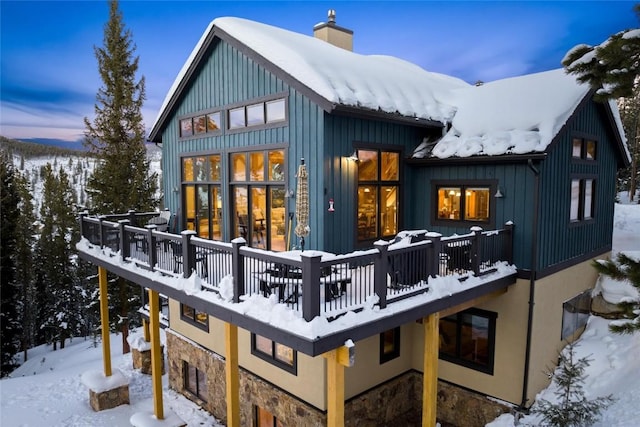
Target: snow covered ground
47,389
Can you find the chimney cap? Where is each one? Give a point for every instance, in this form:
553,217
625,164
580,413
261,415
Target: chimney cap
331,16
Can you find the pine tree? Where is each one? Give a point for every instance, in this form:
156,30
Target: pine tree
59,310
613,68
10,325
624,268
122,180
24,261
572,408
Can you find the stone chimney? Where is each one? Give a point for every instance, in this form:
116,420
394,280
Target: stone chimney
331,33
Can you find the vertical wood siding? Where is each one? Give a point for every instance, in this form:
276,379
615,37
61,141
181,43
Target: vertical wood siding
559,241
341,133
228,77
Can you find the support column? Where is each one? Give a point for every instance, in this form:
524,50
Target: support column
232,375
336,361
430,370
145,330
104,321
156,359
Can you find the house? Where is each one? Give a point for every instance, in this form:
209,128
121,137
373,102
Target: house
388,147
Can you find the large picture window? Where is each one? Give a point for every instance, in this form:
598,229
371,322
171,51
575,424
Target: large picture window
273,352
202,196
378,193
464,203
468,338
258,197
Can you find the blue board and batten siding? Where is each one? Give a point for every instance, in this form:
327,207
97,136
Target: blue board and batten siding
227,77
342,135
561,240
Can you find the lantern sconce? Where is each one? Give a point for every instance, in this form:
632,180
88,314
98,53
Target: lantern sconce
331,209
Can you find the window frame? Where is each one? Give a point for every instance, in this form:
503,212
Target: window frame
193,320
584,141
195,115
253,103
379,184
186,366
394,353
491,184
272,357
210,181
582,218
457,359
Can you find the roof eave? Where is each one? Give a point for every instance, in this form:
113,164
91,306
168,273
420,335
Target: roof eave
368,113
454,161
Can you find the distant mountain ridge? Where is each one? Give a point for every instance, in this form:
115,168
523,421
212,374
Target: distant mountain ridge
37,149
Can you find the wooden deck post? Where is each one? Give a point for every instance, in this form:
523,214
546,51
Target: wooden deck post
430,370
104,321
156,359
337,359
232,375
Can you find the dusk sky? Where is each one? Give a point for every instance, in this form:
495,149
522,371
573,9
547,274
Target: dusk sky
49,76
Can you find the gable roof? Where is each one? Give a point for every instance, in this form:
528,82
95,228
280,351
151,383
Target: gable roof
333,76
518,115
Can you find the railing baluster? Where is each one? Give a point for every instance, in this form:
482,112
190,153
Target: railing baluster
237,269
381,267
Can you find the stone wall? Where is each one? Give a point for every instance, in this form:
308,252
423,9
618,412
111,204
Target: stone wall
142,360
109,399
395,402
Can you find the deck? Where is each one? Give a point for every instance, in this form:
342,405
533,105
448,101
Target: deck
220,278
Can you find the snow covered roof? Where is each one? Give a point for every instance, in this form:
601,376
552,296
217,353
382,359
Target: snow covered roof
373,82
517,115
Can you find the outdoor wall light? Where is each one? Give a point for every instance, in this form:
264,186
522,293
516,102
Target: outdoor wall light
289,194
176,190
498,194
354,156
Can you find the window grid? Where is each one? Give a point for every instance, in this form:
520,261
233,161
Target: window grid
195,381
582,202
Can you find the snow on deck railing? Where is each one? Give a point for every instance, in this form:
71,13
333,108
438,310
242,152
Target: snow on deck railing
314,283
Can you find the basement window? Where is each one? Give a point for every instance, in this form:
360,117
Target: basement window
575,314
194,317
195,381
389,345
467,338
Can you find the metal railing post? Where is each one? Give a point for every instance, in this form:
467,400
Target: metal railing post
188,254
151,242
132,217
100,230
81,223
476,249
237,268
311,286
380,269
434,260
125,246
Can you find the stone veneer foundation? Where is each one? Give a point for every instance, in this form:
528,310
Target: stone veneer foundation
142,360
395,402
109,399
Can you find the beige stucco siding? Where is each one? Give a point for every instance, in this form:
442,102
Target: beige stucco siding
308,384
551,292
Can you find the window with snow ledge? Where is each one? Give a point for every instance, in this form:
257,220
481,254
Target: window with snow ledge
467,338
277,354
463,203
581,208
194,317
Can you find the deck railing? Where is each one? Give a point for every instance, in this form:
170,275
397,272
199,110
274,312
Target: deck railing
313,283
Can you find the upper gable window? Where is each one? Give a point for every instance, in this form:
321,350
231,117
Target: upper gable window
258,114
583,148
200,124
275,111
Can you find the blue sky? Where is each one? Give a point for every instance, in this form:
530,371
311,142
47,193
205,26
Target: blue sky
49,77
